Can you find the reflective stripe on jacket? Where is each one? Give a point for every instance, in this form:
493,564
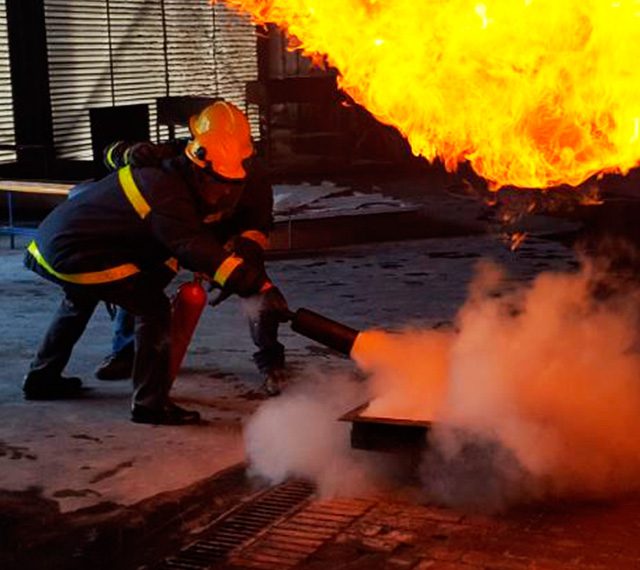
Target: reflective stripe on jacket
141,206
253,217
89,278
133,219
132,192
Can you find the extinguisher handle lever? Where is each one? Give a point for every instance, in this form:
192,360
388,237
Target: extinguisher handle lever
224,295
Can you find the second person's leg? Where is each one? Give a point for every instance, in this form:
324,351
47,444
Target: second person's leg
119,364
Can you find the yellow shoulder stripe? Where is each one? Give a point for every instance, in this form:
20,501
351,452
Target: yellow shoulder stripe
109,159
225,269
254,235
89,278
133,194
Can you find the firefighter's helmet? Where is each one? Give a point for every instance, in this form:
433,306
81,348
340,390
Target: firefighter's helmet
221,140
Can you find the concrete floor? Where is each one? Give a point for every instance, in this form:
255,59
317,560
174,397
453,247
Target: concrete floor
84,459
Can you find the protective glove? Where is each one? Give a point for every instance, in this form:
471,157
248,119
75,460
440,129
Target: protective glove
245,280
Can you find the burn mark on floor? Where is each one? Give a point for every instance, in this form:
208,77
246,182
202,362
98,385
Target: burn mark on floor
111,472
546,256
75,493
252,395
390,265
453,255
315,264
87,437
219,375
16,452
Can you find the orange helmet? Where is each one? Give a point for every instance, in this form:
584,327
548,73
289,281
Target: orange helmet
221,140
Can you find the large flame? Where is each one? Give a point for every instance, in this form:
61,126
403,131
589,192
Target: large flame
533,93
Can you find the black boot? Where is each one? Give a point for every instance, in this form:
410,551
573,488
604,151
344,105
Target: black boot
274,382
58,388
170,415
117,366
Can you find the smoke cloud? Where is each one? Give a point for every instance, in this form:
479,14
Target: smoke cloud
298,435
534,393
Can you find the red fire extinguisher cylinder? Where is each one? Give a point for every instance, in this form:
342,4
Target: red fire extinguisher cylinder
188,304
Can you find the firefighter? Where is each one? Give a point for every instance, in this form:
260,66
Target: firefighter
246,234
120,242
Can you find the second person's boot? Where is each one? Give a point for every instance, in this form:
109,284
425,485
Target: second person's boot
117,366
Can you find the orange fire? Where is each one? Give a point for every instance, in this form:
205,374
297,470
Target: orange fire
532,93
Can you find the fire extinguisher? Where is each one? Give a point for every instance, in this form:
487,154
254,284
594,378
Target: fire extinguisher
188,304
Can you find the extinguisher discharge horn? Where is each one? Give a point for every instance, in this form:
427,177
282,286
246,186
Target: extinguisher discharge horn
324,330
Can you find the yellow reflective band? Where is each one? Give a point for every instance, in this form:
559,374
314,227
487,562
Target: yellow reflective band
226,269
110,162
90,278
131,191
254,235
172,263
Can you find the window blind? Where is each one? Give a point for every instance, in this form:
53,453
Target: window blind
137,53
79,70
236,58
117,52
7,133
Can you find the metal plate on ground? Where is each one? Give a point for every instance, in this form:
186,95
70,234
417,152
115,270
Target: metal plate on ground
395,435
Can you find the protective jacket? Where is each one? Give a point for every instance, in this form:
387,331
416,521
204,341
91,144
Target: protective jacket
139,218
249,228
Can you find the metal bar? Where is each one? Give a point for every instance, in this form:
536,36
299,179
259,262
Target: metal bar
12,239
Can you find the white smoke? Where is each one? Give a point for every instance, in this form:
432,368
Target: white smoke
298,435
536,393
540,393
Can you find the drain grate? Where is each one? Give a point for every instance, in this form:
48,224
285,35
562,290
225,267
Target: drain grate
292,540
240,527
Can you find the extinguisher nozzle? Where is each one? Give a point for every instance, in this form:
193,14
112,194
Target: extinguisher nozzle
331,333
286,316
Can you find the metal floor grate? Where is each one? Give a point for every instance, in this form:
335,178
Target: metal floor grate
292,540
240,527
